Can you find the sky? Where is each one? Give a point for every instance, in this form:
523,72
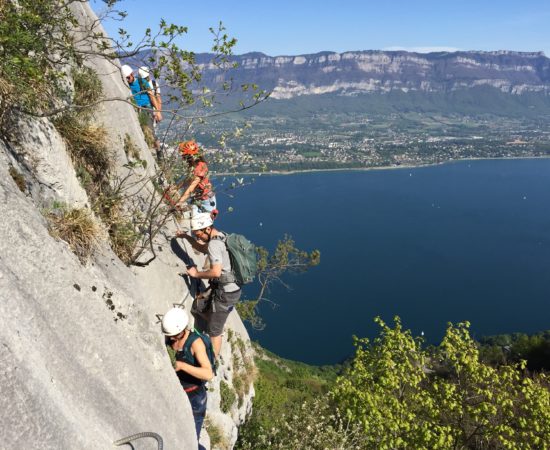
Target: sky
291,27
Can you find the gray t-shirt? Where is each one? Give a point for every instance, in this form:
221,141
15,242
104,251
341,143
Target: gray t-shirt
218,254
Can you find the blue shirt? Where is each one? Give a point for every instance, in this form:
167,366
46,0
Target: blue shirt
140,92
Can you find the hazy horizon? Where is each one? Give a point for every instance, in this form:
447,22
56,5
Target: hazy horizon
306,27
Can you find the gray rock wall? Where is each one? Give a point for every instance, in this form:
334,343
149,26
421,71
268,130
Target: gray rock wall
71,375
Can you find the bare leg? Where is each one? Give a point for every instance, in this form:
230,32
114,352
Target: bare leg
217,344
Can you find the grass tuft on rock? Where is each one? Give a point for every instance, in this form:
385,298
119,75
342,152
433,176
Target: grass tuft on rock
87,87
215,433
87,145
227,397
130,148
77,227
244,369
18,178
121,225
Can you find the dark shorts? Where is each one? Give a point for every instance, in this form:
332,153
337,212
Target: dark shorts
215,309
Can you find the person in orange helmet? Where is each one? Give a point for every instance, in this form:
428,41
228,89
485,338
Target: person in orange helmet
199,191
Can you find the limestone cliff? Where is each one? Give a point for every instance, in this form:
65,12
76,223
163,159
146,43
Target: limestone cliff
373,71
83,361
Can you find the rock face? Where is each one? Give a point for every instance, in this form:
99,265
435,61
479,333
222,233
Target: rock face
72,375
83,361
353,73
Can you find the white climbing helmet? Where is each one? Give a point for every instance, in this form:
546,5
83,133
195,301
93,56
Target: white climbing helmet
126,70
201,221
174,321
143,72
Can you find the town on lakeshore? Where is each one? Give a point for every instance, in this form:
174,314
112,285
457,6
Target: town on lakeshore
333,141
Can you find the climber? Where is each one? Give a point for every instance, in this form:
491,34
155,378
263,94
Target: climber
149,109
225,293
145,73
191,362
199,189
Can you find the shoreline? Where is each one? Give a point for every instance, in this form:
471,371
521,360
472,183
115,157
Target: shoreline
364,169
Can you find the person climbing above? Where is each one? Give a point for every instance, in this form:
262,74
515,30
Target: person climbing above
145,73
199,190
149,110
191,361
225,292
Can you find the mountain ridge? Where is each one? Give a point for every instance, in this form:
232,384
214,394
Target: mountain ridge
353,73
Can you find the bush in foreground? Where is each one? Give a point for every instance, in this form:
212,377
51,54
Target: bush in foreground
398,395
406,397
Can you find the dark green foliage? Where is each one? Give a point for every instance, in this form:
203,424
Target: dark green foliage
171,355
33,35
513,348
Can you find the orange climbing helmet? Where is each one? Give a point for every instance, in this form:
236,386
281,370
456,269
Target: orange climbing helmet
188,148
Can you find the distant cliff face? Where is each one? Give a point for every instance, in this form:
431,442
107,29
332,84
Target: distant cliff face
353,73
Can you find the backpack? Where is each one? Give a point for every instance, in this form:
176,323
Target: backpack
242,253
193,336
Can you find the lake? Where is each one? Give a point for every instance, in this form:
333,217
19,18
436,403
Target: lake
460,241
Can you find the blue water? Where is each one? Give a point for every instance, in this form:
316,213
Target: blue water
461,241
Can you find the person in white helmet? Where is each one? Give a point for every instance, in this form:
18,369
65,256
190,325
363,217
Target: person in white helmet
145,99
225,293
145,73
190,362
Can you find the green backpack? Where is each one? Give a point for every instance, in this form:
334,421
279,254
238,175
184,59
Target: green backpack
244,262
